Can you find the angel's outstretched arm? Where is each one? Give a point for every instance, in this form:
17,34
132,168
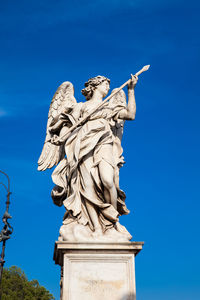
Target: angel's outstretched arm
129,113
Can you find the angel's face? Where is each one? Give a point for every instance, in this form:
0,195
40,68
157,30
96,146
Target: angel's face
104,87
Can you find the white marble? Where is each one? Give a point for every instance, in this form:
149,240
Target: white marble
100,276
97,271
84,140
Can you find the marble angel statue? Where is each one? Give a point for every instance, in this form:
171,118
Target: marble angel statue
88,159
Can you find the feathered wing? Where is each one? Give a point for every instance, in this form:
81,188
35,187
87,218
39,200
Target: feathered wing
117,104
118,101
52,154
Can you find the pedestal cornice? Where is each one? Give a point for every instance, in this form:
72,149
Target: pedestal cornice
67,247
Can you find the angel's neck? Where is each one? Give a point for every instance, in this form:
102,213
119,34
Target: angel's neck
97,96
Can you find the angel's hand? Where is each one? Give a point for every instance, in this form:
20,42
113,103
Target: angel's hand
133,82
56,140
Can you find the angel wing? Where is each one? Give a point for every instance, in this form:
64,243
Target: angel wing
117,102
52,154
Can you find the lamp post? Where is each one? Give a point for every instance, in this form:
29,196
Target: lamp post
7,228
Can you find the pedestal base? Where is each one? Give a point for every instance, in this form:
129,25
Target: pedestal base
97,271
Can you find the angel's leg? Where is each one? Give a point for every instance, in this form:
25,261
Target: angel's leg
93,216
107,195
88,184
107,177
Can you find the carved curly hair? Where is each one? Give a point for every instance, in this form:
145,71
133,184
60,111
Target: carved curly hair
91,85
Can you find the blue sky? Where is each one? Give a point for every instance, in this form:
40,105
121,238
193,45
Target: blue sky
44,43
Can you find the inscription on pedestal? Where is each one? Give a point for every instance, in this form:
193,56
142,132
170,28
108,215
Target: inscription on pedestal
99,277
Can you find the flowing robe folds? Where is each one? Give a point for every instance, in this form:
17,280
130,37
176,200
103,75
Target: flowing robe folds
77,176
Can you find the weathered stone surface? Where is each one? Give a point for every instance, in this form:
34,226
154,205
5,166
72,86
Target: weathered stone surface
97,271
84,140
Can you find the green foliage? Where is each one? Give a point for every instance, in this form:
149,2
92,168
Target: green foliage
15,286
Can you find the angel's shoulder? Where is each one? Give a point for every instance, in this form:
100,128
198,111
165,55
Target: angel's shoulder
76,110
85,106
78,106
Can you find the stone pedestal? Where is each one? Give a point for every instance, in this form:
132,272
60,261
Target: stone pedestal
97,271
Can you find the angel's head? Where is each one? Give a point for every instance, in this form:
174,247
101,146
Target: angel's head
99,82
